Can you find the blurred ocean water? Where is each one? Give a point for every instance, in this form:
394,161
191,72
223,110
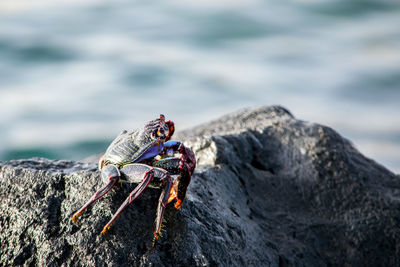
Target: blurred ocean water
73,74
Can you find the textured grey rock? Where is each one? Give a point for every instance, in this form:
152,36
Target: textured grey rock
269,190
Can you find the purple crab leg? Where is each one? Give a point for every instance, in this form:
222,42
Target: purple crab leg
162,201
109,173
148,176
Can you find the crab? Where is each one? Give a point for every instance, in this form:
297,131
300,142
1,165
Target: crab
146,157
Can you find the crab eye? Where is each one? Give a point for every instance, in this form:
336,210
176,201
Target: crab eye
162,132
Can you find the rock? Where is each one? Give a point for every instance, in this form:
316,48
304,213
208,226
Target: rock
269,190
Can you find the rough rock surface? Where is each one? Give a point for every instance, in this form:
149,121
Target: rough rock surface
269,190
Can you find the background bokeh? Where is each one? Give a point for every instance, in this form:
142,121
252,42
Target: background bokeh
74,73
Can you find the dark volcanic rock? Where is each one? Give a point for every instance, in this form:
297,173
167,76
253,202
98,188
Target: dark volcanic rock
268,190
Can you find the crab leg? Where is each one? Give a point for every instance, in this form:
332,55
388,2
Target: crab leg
148,176
183,165
162,203
109,173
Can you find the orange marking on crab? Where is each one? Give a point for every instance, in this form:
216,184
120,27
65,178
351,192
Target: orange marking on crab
172,195
178,204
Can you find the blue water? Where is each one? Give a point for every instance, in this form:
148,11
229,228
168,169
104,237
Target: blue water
73,74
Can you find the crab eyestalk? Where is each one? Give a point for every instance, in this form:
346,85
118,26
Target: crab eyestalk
171,129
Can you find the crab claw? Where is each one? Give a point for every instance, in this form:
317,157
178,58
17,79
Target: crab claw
173,195
178,204
171,129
